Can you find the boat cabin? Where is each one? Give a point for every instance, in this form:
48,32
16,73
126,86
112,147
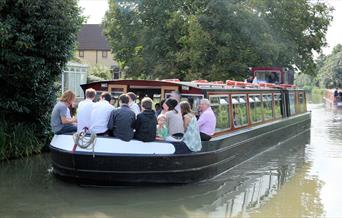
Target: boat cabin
237,105
276,75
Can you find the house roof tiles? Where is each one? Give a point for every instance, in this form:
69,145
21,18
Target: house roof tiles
91,38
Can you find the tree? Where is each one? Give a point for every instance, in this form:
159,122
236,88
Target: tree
144,36
299,27
330,73
214,39
101,71
37,39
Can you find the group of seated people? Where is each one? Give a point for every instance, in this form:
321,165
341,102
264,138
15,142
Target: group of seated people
173,121
269,78
337,95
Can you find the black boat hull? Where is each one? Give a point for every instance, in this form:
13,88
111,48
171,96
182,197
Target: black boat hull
216,157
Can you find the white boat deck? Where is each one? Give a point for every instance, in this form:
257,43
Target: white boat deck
114,146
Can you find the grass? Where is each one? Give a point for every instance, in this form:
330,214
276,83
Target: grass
18,140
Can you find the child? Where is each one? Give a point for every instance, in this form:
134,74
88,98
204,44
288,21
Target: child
145,125
162,131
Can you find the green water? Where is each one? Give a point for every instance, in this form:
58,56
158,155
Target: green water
299,178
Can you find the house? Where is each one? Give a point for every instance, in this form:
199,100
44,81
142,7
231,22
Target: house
94,49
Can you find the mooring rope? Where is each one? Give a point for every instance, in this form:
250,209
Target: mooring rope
84,142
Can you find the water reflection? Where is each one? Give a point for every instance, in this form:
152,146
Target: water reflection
263,179
27,188
299,197
326,156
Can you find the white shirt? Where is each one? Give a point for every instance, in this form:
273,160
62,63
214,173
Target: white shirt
68,114
83,114
135,108
100,116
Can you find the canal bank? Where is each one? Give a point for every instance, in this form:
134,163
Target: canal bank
294,179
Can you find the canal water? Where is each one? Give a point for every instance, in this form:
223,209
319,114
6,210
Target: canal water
298,178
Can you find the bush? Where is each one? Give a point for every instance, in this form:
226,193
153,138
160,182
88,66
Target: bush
317,91
100,71
18,140
36,41
92,78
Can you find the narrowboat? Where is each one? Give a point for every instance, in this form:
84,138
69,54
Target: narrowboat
251,118
332,101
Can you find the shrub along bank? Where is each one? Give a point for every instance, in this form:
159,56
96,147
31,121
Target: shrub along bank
36,41
18,140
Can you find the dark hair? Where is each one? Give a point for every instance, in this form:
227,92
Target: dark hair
124,98
132,96
185,107
146,103
106,96
171,103
90,93
162,102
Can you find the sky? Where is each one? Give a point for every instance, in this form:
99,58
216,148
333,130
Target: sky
95,10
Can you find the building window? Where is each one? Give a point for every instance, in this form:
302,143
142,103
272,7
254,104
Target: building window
81,54
104,54
116,74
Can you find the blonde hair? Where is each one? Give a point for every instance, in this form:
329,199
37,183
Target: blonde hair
90,93
147,103
160,116
68,96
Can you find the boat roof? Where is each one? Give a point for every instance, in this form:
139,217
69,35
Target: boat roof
200,84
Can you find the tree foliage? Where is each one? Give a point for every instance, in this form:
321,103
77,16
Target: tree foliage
37,39
214,39
330,72
101,71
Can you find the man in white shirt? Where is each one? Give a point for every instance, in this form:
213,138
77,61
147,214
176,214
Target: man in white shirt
84,110
100,114
132,105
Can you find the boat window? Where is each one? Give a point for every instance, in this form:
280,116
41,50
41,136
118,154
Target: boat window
194,101
116,93
242,100
220,106
277,105
235,100
301,102
240,110
292,102
255,108
267,106
97,97
156,100
268,76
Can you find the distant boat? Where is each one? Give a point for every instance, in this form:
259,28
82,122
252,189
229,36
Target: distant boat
250,119
330,100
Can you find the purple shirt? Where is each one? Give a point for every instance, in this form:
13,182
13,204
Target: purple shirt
207,122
